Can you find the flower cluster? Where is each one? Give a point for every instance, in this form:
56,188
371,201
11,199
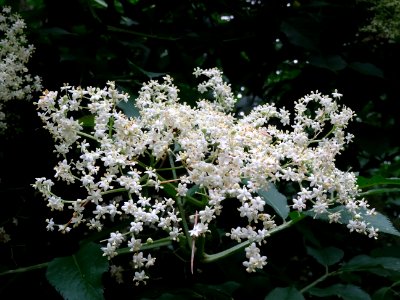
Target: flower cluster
4,236
156,171
15,81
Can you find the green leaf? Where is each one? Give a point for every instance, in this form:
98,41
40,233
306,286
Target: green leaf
380,191
87,121
377,221
220,291
381,294
56,31
364,182
326,256
331,62
287,293
346,292
365,262
192,191
129,108
276,200
170,189
151,75
298,37
79,276
367,69
100,3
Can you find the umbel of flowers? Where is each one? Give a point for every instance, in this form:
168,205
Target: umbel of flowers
15,81
169,172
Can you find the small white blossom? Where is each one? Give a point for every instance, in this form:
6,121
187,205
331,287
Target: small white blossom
140,277
126,166
15,81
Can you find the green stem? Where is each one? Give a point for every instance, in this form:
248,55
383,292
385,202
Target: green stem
155,244
179,203
325,136
25,269
146,35
380,191
318,280
190,199
170,169
110,127
114,191
208,258
88,136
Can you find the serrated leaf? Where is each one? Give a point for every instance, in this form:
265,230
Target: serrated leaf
379,220
79,276
365,262
287,293
326,256
276,200
346,292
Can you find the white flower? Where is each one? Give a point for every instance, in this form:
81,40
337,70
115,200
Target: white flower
116,272
207,214
182,189
127,166
15,81
140,277
109,250
198,229
4,237
299,204
256,261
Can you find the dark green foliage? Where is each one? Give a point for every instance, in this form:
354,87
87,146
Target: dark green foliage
79,276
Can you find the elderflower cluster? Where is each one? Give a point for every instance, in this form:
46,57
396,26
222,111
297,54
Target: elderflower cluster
155,171
15,81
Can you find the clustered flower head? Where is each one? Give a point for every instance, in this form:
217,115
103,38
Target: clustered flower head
155,171
15,81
